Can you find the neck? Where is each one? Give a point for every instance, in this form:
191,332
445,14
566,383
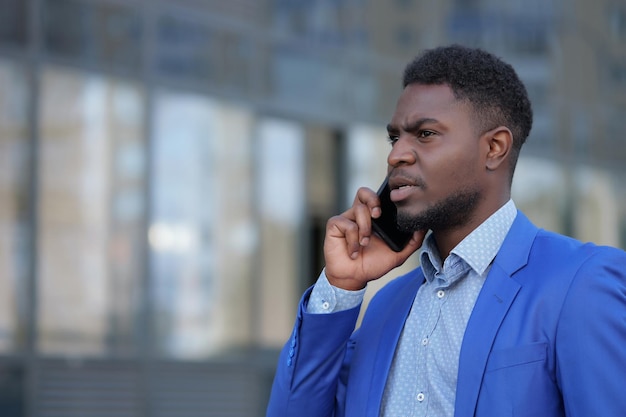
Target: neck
448,239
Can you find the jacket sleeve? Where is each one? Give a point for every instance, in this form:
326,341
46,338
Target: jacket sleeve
309,379
591,338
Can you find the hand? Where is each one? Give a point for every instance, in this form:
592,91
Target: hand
354,255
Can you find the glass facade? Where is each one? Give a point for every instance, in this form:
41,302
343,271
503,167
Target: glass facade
202,234
280,195
15,203
103,35
167,169
91,182
14,23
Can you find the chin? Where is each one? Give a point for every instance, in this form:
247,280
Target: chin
409,209
411,220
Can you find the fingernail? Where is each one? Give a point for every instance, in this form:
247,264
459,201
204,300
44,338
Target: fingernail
365,241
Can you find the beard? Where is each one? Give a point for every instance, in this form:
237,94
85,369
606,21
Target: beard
453,211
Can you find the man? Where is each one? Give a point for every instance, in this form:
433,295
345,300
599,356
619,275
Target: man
501,319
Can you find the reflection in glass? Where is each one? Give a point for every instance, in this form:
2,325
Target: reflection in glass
186,49
14,202
107,35
280,155
13,22
201,235
581,201
367,159
540,189
91,184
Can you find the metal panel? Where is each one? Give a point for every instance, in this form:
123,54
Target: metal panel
88,389
11,387
200,390
132,388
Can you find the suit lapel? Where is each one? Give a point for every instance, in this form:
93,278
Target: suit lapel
491,307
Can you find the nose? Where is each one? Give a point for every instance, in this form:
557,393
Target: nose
402,153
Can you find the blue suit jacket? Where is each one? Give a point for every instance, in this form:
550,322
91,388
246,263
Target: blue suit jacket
546,338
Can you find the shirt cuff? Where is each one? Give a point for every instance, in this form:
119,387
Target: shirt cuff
326,298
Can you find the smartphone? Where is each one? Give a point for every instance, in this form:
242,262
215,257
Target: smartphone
386,226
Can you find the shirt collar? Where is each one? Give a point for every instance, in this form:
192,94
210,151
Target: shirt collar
478,249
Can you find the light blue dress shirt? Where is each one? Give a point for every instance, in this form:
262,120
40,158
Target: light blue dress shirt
423,375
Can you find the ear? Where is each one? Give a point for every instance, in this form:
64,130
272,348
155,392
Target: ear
499,144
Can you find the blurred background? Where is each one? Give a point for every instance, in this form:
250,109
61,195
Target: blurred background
167,168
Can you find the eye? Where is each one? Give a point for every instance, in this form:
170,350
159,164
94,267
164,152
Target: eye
425,135
392,139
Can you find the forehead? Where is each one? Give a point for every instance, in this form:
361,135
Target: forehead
437,102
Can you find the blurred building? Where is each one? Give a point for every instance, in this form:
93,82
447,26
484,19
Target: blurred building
167,168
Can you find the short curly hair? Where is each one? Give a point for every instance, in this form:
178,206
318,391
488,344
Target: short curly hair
490,85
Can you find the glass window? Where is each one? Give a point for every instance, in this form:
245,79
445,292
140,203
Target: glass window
13,22
291,72
597,202
405,36
14,205
540,190
614,148
91,208
324,183
404,4
280,151
202,234
186,49
466,4
190,50
367,159
580,201
105,35
617,22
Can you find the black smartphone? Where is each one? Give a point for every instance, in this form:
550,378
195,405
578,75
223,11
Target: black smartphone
386,225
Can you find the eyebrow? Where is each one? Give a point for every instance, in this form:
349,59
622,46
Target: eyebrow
412,126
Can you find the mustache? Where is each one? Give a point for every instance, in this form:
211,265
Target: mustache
399,175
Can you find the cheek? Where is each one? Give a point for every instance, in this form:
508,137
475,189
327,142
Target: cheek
455,171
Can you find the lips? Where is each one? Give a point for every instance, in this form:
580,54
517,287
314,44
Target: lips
402,187
399,180
402,193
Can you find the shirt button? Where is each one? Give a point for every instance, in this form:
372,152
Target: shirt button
325,305
420,397
424,341
441,293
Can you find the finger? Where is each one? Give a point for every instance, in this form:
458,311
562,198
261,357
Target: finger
363,221
366,205
369,198
343,229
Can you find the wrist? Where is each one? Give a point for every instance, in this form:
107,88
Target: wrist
346,284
